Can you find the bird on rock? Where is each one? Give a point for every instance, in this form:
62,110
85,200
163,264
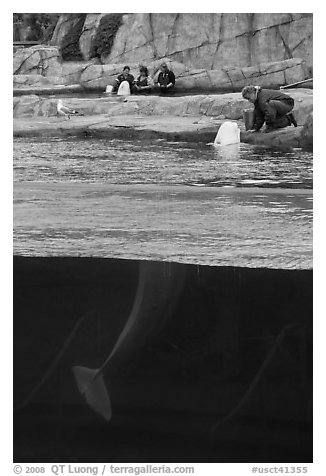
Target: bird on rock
66,111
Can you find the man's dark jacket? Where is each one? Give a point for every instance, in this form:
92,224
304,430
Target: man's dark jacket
263,111
165,78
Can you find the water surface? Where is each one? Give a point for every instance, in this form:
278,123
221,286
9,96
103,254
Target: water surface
159,162
186,202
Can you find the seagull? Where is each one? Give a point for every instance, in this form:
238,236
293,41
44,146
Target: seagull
65,111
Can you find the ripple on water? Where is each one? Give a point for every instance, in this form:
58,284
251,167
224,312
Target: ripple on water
159,162
181,224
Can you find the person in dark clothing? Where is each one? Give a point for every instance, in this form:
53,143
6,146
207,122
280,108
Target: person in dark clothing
166,79
124,76
144,83
271,106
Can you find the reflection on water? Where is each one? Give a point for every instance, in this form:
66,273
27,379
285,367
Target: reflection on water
132,200
159,162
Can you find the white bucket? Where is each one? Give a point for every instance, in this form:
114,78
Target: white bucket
109,89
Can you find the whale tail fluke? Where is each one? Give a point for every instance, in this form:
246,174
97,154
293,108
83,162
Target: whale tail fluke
91,385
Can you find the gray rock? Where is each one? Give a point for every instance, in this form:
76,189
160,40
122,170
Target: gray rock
210,40
307,133
88,33
228,106
71,72
201,40
37,60
22,80
287,137
36,80
175,118
98,76
26,106
65,23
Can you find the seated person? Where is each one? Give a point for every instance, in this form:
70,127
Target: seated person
143,83
124,76
166,79
271,106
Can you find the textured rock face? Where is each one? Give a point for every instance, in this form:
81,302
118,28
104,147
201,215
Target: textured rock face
224,106
89,30
26,106
23,80
207,52
272,75
40,59
175,118
214,40
65,23
307,132
287,137
35,80
43,61
268,75
129,127
201,40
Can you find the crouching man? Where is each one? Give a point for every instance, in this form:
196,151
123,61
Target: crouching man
272,107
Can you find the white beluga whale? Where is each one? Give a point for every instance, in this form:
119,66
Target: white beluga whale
159,286
66,111
228,134
124,89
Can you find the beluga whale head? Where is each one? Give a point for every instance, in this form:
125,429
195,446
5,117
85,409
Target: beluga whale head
124,89
228,133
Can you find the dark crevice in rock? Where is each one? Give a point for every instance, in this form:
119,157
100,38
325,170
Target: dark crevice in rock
172,34
151,27
282,23
205,107
88,65
256,74
191,48
187,74
16,105
299,44
220,36
250,36
244,76
229,77
41,65
39,105
210,79
22,64
286,46
281,70
125,51
212,28
125,46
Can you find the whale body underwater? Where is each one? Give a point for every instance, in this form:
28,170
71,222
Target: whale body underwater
159,286
158,290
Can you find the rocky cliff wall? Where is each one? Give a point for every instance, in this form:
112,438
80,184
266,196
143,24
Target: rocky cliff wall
202,40
213,40
41,65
